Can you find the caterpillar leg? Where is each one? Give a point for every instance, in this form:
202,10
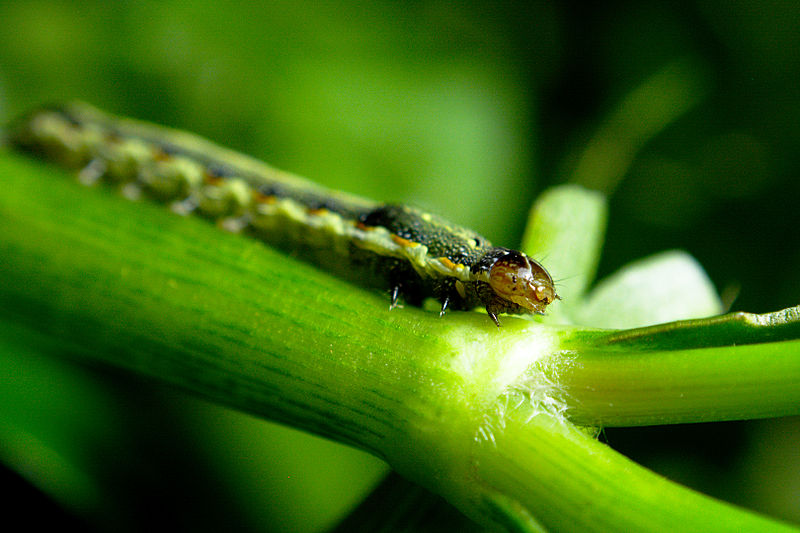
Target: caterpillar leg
444,305
395,297
92,172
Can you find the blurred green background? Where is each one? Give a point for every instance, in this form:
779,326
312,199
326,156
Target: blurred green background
687,115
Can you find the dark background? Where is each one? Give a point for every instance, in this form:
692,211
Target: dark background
692,112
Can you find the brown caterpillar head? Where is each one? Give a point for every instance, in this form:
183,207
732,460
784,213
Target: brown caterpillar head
519,279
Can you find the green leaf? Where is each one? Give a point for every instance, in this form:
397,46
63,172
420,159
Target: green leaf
665,287
565,232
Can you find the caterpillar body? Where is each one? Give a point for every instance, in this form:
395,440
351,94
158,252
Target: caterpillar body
412,253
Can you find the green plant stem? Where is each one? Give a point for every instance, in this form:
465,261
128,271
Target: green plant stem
535,458
730,367
225,317
623,388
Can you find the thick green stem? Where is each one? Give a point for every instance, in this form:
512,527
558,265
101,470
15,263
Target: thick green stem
535,459
223,316
731,367
664,387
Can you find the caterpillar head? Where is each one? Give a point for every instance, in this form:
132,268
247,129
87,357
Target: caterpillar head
519,279
516,283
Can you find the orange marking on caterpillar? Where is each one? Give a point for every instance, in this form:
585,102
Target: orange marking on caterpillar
212,179
450,264
404,242
160,155
262,198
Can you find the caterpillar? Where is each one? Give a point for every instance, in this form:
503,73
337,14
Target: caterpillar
413,254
